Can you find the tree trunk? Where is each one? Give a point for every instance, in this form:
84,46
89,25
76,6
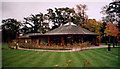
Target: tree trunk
106,40
116,40
113,41
109,45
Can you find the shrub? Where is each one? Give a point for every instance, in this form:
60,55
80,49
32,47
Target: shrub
85,45
68,45
12,44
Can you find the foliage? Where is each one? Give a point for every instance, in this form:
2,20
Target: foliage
85,45
112,12
112,15
37,23
11,24
29,44
81,16
111,30
25,29
10,29
94,26
60,16
13,44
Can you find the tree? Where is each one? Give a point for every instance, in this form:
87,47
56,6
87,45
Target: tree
111,30
37,23
10,28
81,14
94,26
60,16
24,30
112,13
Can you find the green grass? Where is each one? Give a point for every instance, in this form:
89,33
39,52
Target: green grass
118,44
23,58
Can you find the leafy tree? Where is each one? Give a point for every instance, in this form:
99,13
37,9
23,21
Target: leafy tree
112,13
10,28
111,30
37,23
24,30
94,26
60,16
81,15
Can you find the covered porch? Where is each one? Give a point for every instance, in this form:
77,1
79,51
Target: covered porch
63,41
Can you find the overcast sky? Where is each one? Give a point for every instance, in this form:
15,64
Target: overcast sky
19,10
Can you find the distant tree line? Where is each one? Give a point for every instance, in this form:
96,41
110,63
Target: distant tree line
40,23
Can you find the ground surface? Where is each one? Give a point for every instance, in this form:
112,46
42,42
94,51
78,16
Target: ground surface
23,58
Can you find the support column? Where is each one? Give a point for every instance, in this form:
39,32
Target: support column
82,38
99,39
48,41
62,41
37,41
32,40
96,43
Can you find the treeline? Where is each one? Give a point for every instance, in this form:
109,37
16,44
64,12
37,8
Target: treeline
40,23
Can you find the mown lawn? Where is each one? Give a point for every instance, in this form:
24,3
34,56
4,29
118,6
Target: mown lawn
118,44
22,58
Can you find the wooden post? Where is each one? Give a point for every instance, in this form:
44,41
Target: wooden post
83,39
62,40
48,41
37,42
32,40
96,42
99,40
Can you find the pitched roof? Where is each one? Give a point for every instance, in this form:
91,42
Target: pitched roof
70,29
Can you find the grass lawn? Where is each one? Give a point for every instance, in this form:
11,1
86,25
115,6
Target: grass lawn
23,58
118,44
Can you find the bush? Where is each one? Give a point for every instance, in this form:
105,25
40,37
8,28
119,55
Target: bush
12,44
85,45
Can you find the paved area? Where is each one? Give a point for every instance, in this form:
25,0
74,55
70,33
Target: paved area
74,49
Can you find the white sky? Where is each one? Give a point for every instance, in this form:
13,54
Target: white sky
24,8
